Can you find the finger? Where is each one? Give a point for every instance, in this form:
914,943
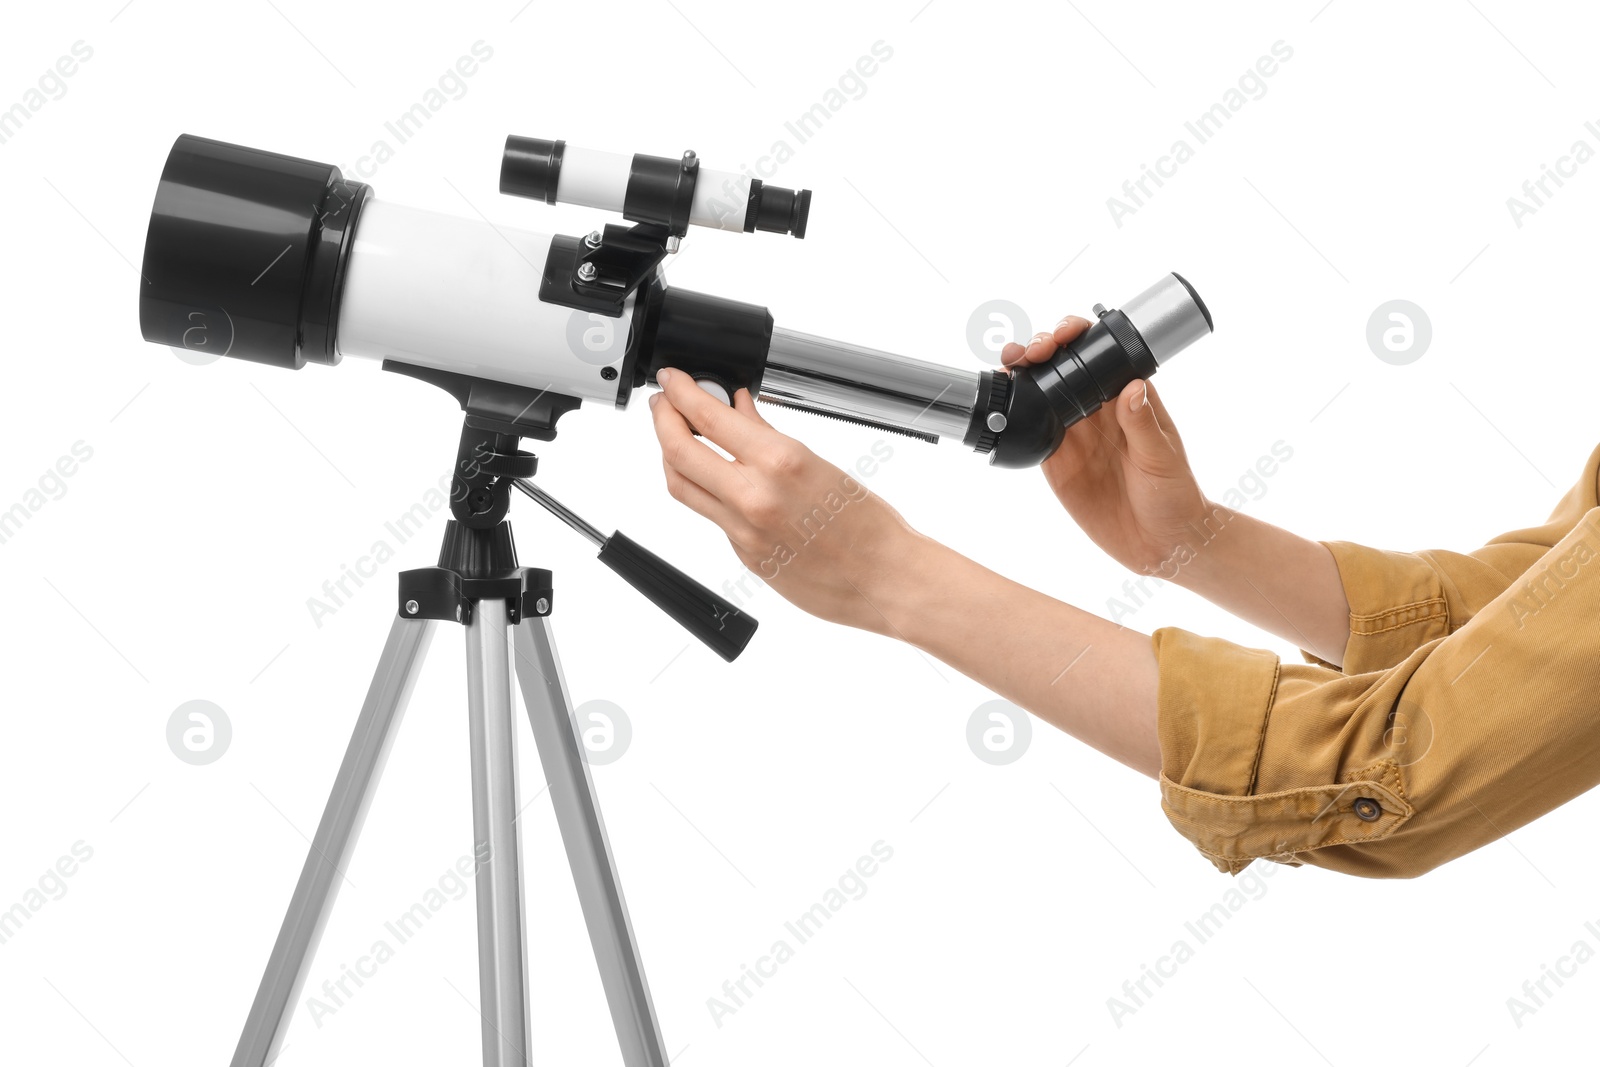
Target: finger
687,454
692,496
717,422
1011,353
1148,447
1098,435
1040,347
1069,329
1162,418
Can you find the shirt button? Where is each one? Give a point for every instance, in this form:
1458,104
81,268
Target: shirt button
1367,809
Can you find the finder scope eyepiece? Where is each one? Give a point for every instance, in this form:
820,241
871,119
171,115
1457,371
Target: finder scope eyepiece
282,260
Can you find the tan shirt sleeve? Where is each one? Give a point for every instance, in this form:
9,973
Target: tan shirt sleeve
1469,706
1402,600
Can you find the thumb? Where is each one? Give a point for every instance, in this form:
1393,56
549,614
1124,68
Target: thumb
1148,446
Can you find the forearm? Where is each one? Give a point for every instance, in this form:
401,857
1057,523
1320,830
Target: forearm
1282,582
1082,674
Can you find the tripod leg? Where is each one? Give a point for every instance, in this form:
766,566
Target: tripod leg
502,967
334,842
544,690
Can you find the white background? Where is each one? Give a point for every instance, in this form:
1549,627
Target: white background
976,165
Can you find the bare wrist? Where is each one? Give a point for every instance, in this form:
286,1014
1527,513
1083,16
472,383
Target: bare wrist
1192,559
905,586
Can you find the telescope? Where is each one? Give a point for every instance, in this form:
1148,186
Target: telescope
280,260
275,259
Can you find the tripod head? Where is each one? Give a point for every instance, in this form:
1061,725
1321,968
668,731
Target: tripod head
478,558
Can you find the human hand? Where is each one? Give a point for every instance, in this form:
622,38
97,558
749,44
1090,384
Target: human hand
1122,473
811,531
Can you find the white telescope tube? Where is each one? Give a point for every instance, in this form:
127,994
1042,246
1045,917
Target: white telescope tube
462,295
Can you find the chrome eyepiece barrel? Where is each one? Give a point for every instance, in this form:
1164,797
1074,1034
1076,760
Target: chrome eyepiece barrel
1169,316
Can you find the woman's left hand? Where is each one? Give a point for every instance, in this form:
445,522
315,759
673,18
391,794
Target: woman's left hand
811,531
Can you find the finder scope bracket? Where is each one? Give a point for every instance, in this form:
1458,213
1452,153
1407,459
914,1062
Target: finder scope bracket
599,276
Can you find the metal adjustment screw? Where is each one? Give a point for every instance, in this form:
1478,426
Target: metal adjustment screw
541,606
996,421
688,159
1099,311
412,607
459,613
608,373
593,240
1367,809
586,272
673,243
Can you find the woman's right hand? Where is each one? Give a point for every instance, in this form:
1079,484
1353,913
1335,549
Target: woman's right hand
1122,472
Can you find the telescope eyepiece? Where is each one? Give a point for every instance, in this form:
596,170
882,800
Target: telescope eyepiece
531,168
775,209
1127,343
1169,317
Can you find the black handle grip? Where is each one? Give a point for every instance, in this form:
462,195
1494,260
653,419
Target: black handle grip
722,627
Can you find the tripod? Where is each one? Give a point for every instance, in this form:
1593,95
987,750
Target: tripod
479,585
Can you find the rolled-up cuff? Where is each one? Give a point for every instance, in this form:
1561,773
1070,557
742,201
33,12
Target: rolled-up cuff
1397,604
1215,700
